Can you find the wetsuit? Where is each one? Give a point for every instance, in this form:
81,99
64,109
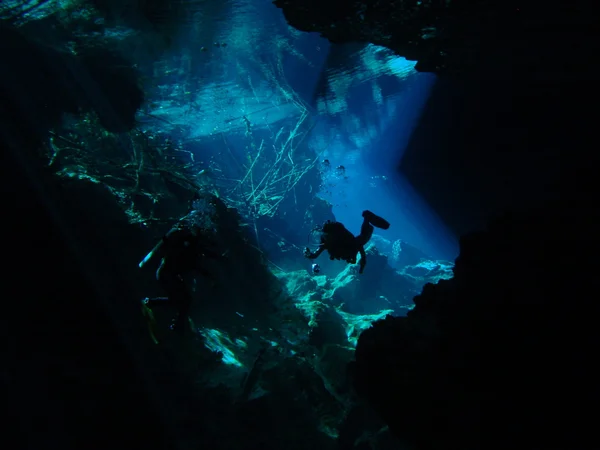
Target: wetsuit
182,252
341,244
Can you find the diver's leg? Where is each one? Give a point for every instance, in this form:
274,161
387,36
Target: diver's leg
366,231
181,298
168,281
182,322
375,220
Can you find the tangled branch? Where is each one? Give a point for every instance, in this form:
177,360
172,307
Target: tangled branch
132,166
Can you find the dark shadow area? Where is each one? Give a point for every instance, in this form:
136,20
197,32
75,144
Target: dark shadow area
509,143
518,129
503,352
40,83
74,371
70,376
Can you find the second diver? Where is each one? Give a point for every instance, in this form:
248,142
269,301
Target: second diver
182,251
343,245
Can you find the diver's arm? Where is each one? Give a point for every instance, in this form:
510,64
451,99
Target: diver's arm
314,255
174,238
363,260
175,234
156,251
159,249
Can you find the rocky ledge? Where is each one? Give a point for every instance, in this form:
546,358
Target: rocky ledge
500,354
451,36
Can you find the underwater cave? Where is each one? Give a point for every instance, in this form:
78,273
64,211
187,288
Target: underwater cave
295,224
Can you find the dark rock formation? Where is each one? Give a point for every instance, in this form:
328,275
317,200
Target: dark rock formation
78,344
449,35
39,83
502,354
66,360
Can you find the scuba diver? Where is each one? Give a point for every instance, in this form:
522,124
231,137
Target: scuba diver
181,251
342,244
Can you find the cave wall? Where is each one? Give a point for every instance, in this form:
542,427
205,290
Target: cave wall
482,147
501,354
68,364
515,130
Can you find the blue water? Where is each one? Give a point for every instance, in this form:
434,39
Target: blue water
362,101
374,181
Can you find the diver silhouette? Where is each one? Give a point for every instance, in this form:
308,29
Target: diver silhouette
342,244
182,251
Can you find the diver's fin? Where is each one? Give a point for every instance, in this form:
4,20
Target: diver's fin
192,325
375,220
149,316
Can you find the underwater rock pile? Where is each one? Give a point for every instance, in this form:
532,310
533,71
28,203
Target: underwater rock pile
500,354
383,285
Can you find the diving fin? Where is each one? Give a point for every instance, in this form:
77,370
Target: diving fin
149,316
375,220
